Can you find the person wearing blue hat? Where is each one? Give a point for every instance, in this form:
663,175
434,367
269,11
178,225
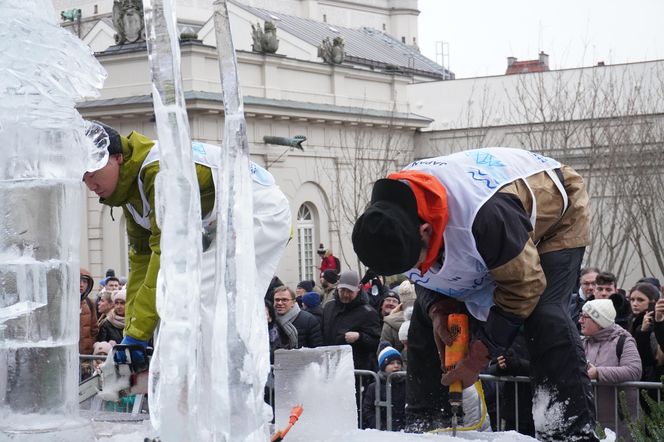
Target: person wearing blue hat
311,303
389,361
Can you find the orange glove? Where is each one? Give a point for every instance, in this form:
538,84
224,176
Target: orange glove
468,369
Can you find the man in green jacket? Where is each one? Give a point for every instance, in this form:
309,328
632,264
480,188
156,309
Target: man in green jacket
127,180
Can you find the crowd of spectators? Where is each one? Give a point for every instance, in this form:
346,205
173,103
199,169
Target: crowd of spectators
101,318
622,335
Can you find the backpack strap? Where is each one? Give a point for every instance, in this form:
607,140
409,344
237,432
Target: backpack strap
620,345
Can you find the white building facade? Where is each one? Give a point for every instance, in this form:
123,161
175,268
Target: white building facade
349,113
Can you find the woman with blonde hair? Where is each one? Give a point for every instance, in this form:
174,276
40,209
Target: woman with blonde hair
104,304
111,328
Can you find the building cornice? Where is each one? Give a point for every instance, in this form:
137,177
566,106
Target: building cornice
257,108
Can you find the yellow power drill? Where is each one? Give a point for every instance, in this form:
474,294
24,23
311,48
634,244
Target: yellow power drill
457,325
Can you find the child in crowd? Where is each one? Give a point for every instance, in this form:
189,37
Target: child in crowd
389,361
102,348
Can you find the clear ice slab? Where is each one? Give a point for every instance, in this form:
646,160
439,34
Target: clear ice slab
322,381
44,70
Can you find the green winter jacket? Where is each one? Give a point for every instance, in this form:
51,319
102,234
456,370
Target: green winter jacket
144,250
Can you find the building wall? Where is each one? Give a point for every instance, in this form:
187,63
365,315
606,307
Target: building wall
319,176
512,99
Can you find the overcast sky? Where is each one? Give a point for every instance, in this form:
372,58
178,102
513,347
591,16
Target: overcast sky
482,33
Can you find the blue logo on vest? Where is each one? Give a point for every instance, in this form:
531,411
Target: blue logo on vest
260,175
477,175
487,160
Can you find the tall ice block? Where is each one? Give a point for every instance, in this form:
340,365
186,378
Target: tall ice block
39,309
44,152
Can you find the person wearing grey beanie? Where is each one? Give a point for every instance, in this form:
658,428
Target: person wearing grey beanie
612,359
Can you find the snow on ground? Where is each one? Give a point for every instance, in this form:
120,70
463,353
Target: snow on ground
387,436
136,432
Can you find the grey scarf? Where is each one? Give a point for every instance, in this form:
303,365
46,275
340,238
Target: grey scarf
286,321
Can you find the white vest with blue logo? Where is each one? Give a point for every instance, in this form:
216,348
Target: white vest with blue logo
470,179
208,155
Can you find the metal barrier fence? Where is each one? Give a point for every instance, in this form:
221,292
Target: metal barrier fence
378,403
363,379
518,380
360,386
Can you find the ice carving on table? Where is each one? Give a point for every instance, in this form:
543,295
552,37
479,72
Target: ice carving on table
322,381
43,71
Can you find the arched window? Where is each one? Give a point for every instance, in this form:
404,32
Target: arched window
305,242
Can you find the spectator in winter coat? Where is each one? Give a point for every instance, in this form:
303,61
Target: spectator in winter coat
88,317
302,328
606,284
88,323
586,291
328,282
327,260
389,303
112,284
642,299
302,288
104,304
389,361
276,333
392,322
311,303
606,363
350,320
111,328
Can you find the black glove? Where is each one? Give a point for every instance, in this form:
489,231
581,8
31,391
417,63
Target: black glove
499,331
368,276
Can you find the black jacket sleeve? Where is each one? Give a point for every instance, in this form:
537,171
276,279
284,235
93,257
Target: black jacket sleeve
103,333
659,334
315,333
369,407
370,330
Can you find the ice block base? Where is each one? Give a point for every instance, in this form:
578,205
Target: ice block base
47,428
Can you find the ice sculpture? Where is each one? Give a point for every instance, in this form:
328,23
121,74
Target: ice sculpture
322,381
245,357
43,71
175,374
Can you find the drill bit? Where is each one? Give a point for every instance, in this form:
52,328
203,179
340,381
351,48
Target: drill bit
455,410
